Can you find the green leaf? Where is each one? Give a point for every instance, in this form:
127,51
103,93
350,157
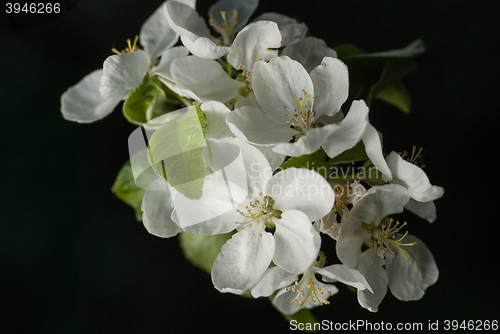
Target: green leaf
378,75
201,250
315,161
303,317
126,190
138,107
397,95
175,152
356,153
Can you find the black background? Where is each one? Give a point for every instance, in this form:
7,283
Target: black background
73,259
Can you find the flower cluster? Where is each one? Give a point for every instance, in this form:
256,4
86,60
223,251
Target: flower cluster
235,125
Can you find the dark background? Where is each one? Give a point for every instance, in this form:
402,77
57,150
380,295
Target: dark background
73,259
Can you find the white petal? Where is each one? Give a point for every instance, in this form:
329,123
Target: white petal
248,101
331,86
409,279
274,278
83,102
204,47
123,73
260,39
301,189
278,83
425,210
275,160
164,67
349,131
185,21
343,274
216,126
413,178
217,204
283,300
309,52
257,127
379,202
350,240
156,35
297,242
204,79
372,269
244,9
157,210
306,144
373,149
242,261
280,19
293,33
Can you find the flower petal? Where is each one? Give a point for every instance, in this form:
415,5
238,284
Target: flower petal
425,210
310,52
168,56
83,102
301,189
349,131
257,127
242,261
123,73
379,202
244,9
215,113
278,83
157,210
204,79
257,41
341,273
372,269
331,86
204,47
373,149
297,242
156,35
185,20
306,144
283,299
409,279
349,242
413,178
274,278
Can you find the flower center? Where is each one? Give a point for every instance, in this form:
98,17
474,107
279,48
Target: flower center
387,236
413,158
131,47
259,214
301,118
309,287
225,29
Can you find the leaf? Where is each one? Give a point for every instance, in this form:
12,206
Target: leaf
138,108
315,161
304,317
356,153
375,74
175,152
126,190
396,94
202,250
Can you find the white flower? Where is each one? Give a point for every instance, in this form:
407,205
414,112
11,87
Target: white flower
205,79
226,16
291,31
401,262
98,93
416,182
307,291
288,201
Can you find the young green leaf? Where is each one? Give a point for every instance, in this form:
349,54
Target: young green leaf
138,108
175,152
126,190
202,250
